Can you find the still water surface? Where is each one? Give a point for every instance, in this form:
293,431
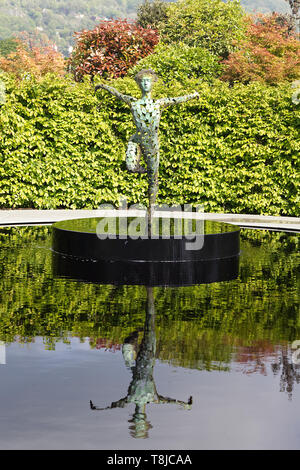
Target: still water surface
214,362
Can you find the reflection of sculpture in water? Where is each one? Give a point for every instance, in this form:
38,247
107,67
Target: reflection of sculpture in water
290,373
142,389
146,115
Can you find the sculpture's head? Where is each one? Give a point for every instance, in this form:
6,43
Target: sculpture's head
145,78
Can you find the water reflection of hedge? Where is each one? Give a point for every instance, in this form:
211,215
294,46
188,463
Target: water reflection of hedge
196,326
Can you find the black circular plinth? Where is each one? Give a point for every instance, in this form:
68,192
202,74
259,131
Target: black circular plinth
118,251
184,273
107,239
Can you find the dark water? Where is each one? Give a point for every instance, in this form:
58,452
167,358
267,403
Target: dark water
214,362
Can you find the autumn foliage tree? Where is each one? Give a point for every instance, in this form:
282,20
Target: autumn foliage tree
270,53
37,61
35,38
111,48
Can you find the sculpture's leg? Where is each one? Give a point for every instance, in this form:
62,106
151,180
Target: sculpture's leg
133,155
152,170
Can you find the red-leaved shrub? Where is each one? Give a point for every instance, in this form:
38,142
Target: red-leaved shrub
111,48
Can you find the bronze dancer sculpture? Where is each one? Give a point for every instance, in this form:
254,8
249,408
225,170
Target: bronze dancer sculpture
146,115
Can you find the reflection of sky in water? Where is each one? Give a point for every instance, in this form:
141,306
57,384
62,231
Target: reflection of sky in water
44,403
227,345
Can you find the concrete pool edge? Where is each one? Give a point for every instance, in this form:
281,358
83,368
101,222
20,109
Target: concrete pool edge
11,217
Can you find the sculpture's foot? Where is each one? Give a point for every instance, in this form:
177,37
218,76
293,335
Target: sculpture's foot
138,169
142,169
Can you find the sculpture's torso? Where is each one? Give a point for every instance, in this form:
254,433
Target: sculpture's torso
146,115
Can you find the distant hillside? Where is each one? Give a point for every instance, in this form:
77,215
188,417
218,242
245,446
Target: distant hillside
266,6
58,19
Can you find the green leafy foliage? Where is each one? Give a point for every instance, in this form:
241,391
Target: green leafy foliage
212,24
233,150
56,148
7,46
180,62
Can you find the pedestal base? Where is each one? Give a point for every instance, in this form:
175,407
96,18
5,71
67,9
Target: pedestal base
119,251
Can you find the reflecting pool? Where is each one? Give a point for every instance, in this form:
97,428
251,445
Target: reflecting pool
88,366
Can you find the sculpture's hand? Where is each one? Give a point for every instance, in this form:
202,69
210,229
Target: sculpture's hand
165,102
99,86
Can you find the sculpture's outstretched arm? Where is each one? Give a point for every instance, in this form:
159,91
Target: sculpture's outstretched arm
165,102
126,98
185,404
115,404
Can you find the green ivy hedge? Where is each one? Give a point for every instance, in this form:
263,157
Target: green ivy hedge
233,150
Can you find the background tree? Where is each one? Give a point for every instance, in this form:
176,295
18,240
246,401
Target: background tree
33,39
269,54
212,24
181,62
7,46
35,62
152,13
111,48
